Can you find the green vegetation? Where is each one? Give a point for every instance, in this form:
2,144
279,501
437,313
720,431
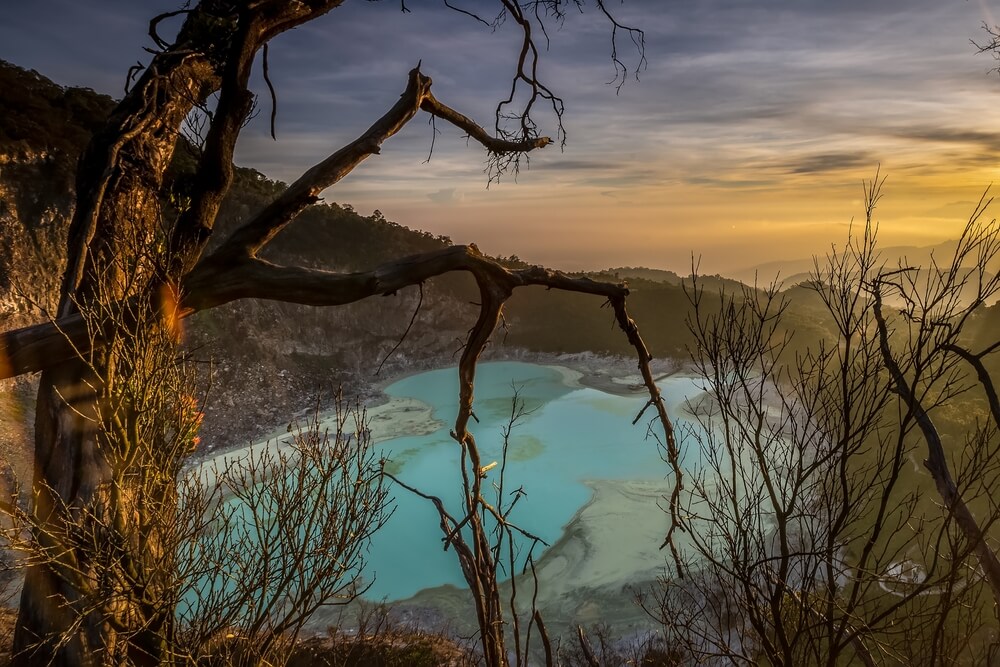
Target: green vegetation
41,118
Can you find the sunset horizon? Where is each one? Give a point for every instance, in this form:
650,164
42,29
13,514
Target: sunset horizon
745,139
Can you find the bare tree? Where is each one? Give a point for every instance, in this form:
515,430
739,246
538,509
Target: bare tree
488,544
244,551
272,537
814,539
930,367
133,271
140,422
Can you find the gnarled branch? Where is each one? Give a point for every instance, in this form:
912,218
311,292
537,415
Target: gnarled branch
249,239
46,345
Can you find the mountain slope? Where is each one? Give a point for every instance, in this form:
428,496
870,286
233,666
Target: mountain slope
268,359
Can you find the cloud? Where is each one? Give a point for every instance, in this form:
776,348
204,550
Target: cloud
829,162
445,196
984,140
731,183
753,98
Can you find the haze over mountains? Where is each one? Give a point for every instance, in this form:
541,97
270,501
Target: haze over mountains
793,271
284,353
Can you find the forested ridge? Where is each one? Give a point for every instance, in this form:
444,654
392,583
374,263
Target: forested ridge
43,129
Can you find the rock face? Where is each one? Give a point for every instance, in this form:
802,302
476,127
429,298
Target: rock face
32,228
32,258
264,362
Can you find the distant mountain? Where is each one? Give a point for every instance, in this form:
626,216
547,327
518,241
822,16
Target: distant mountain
793,271
639,278
652,275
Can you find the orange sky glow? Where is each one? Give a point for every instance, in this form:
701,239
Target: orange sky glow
745,140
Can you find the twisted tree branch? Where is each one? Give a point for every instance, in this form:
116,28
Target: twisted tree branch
249,239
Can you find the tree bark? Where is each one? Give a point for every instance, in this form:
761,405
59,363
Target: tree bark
80,606
111,258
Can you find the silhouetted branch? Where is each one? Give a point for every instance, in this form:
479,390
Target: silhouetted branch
936,461
984,377
270,87
249,239
409,326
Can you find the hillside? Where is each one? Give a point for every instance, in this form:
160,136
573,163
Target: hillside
794,271
269,360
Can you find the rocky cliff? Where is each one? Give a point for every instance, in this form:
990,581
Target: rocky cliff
264,362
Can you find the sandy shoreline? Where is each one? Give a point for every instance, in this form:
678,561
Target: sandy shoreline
389,419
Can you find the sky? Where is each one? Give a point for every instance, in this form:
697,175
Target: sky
745,139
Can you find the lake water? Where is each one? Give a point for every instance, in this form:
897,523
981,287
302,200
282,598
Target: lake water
570,436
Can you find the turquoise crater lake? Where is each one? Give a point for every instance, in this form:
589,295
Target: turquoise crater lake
571,439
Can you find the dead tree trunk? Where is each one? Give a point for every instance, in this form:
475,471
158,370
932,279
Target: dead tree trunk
96,583
71,612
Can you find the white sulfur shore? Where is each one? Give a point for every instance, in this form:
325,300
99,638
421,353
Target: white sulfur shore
592,550
609,549
408,416
391,419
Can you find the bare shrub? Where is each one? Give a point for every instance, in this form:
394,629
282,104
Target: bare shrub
815,537
278,534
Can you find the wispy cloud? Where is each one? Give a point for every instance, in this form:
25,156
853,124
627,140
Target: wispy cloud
445,196
783,105
830,162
